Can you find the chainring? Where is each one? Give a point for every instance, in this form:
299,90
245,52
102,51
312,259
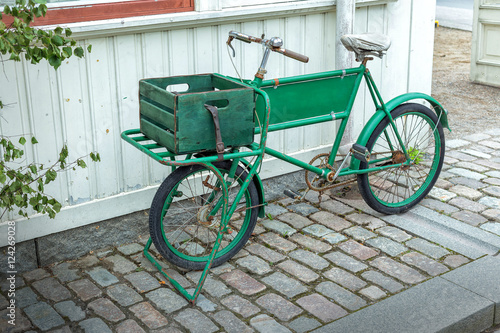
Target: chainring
317,183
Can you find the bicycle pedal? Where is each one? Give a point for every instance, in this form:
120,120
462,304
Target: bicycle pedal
360,152
292,194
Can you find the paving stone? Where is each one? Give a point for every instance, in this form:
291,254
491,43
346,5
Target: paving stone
396,234
254,264
265,253
5,284
176,276
321,308
432,250
345,261
231,323
368,221
71,310
106,309
492,190
492,214
130,249
345,279
491,163
36,274
202,302
493,227
310,259
87,261
120,264
43,316
466,192
472,166
304,324
275,210
265,324
440,194
455,260
476,137
359,233
279,227
240,305
334,238
123,294
494,132
4,302
341,296
94,325
460,156
102,277
314,198
64,329
51,289
373,293
195,321
456,143
214,287
295,220
64,272
300,272
166,300
142,281
330,220
397,270
467,173
336,207
317,230
277,242
244,283
311,243
148,315
493,173
358,250
444,184
424,263
492,181
387,246
469,217
104,253
224,268
128,326
490,144
143,262
303,209
467,204
383,281
24,297
285,285
472,183
490,202
85,289
279,307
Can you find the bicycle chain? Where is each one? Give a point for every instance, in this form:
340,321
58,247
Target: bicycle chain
325,165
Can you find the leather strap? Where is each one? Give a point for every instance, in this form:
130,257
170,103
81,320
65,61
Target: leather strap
219,145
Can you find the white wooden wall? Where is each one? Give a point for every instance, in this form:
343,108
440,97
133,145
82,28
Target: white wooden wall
87,103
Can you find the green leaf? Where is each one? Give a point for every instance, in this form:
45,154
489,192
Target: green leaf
3,178
81,164
33,140
78,52
68,32
89,48
55,61
57,40
33,169
57,207
22,140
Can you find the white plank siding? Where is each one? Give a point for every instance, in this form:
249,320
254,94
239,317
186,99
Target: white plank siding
88,102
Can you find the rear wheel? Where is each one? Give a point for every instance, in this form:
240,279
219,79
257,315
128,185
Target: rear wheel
185,216
396,190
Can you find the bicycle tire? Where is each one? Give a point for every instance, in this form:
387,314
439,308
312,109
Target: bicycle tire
185,239
396,190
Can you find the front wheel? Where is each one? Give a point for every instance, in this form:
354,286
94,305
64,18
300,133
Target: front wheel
396,190
185,216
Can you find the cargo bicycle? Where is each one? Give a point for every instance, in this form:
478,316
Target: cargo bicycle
206,209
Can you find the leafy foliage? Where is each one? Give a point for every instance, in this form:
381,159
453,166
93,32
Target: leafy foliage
24,187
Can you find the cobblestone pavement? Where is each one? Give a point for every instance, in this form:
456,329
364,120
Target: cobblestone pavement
310,264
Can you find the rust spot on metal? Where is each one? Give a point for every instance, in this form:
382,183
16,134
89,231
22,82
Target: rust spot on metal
398,157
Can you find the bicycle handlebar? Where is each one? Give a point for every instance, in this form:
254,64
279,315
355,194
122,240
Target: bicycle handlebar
274,44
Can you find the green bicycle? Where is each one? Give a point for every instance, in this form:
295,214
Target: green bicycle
206,209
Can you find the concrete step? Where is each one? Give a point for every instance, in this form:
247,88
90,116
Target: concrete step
448,232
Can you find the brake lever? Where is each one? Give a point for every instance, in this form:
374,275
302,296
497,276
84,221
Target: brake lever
229,40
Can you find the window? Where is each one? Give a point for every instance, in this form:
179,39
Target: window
60,12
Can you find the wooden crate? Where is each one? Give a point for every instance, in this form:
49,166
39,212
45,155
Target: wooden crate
180,122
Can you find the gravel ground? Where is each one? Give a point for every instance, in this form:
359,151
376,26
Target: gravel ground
472,108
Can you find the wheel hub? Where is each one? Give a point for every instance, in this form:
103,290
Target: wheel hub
204,217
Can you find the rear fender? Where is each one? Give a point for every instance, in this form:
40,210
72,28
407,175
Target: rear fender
370,126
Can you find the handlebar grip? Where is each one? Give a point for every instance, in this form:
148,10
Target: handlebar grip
293,55
243,37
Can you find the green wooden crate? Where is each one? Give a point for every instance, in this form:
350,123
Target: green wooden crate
180,122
